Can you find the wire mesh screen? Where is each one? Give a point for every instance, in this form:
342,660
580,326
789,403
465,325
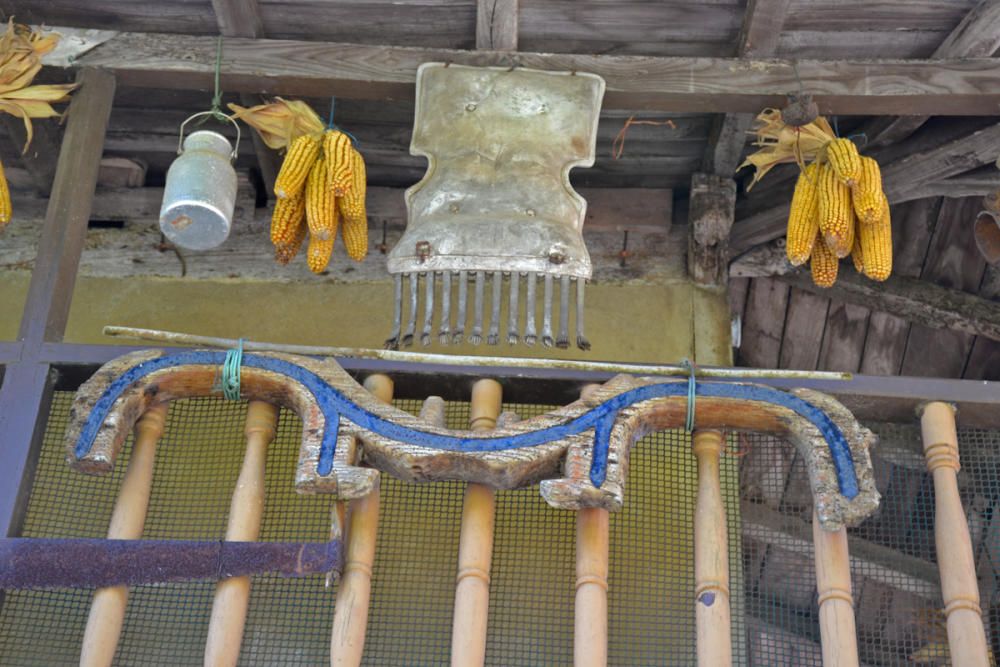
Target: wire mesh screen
651,607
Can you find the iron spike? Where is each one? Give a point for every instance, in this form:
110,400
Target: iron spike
476,337
392,342
529,310
562,339
411,318
547,313
463,299
581,340
444,334
493,336
425,335
513,312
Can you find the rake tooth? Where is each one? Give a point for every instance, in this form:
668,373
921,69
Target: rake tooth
562,339
463,299
581,340
425,335
476,337
513,312
547,313
411,317
444,333
493,336
392,342
529,309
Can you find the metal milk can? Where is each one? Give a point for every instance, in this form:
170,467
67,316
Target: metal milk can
200,193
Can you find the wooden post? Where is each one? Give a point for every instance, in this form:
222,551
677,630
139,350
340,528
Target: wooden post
350,616
107,611
590,631
836,601
710,216
966,636
711,556
232,596
475,550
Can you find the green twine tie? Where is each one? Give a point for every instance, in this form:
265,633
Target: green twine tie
231,372
689,422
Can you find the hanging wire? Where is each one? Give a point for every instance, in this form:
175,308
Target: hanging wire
330,125
215,111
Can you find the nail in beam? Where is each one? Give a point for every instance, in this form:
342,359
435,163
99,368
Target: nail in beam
838,634
711,556
350,616
475,548
107,611
590,631
966,635
232,595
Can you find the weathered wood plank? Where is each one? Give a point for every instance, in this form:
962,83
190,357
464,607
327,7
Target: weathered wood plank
497,25
984,360
805,321
763,323
960,87
976,36
844,337
710,217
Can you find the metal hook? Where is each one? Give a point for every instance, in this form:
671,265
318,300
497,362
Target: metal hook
216,115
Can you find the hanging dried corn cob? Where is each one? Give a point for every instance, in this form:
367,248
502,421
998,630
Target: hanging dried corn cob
338,149
352,204
302,154
285,252
319,254
321,206
285,219
844,198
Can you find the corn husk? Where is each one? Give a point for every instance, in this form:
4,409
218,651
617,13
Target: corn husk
21,51
780,143
280,122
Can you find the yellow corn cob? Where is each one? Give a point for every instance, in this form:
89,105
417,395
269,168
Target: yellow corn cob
321,205
836,215
286,252
803,219
876,246
337,149
844,158
857,256
286,217
867,192
299,159
352,207
5,208
319,254
824,264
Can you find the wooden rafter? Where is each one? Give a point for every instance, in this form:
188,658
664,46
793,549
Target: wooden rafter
976,36
758,39
904,180
496,25
962,87
241,18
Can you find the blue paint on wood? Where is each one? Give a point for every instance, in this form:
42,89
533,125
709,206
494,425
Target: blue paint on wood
333,404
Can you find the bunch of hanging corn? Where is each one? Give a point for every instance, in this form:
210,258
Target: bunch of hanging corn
21,51
838,207
321,183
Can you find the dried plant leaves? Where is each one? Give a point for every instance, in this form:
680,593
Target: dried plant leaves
281,121
780,143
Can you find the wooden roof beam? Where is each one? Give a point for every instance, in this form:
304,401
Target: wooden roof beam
241,18
903,180
976,36
683,84
758,39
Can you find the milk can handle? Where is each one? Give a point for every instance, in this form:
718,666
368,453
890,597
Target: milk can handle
236,146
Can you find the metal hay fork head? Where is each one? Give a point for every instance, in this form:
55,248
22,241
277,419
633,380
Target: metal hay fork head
496,202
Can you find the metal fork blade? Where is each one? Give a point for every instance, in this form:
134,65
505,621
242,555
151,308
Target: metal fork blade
513,312
547,313
425,334
476,337
562,340
463,299
529,310
411,318
444,333
493,337
392,342
581,339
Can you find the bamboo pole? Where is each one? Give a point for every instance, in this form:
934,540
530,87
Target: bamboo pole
966,635
590,630
711,556
107,611
475,550
350,616
232,595
836,601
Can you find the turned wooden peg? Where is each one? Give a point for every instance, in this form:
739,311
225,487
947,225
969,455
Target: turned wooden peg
232,595
711,556
107,612
837,631
959,589
475,550
350,616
